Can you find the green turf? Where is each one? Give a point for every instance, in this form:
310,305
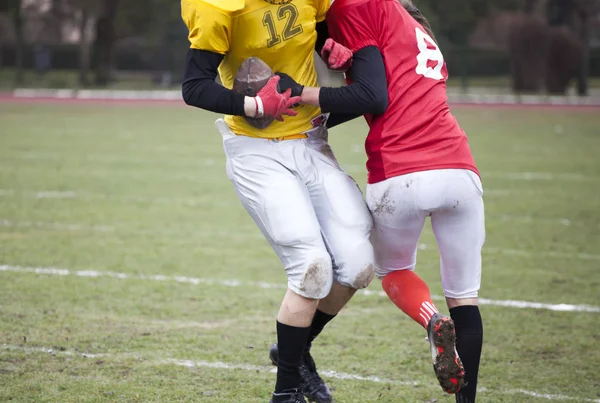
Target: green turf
142,190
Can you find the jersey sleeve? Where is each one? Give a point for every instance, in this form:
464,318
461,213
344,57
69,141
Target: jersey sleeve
209,26
322,8
354,24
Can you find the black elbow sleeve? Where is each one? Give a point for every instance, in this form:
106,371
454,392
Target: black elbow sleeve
185,93
368,94
199,88
373,98
380,104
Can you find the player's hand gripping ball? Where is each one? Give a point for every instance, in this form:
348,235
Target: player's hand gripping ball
255,79
250,78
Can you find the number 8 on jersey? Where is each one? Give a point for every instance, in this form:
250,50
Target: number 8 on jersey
428,51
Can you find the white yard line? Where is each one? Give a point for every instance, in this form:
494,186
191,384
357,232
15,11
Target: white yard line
551,254
253,235
191,202
209,162
179,235
107,158
540,176
56,226
549,396
265,285
194,163
153,176
83,195
51,351
528,254
327,373
71,227
219,365
55,194
565,222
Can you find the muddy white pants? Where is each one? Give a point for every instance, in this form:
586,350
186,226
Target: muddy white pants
453,200
311,212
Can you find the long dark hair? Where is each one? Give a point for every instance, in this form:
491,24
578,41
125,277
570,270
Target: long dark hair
418,16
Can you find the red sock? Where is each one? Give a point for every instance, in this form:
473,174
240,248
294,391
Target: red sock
410,293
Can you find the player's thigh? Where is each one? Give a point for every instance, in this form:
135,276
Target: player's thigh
345,222
459,229
280,205
397,224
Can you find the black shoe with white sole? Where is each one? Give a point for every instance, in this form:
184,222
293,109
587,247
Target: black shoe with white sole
288,396
313,387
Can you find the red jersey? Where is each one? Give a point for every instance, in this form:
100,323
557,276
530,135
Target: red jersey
417,132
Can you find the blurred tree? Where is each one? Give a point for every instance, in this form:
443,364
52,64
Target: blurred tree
585,11
145,23
84,49
158,26
106,36
153,26
530,6
565,59
86,14
560,12
453,21
80,14
577,16
15,10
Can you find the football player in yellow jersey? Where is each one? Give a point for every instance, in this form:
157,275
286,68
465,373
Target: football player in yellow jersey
310,211
283,36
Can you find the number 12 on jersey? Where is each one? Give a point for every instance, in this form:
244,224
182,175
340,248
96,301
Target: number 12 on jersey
287,12
427,54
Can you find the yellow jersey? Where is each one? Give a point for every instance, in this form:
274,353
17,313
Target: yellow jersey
282,35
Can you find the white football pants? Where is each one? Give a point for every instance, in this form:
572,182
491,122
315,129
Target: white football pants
453,199
311,212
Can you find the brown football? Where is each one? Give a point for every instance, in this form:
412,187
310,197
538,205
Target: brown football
252,75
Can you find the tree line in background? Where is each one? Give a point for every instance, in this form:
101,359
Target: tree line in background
99,25
548,40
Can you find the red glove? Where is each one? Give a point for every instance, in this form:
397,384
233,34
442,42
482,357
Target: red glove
336,56
270,103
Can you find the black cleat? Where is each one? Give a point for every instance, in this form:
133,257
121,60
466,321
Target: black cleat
313,386
288,396
274,354
446,362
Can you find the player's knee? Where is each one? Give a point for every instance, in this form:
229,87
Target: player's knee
361,275
318,277
357,269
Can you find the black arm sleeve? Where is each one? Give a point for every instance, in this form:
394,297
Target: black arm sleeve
200,89
339,118
368,94
322,35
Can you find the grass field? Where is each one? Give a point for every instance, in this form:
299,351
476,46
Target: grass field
129,272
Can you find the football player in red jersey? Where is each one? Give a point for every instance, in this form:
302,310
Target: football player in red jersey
419,164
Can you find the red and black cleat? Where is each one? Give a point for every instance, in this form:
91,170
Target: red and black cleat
446,362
